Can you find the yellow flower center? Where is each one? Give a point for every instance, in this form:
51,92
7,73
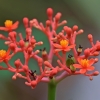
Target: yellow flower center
64,43
2,53
8,23
85,62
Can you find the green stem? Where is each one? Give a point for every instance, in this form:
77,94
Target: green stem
52,89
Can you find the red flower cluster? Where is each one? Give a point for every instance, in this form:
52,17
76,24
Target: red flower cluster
63,41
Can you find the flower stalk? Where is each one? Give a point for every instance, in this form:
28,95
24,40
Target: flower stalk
52,89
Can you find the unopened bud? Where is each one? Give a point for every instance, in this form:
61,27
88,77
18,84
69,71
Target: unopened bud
96,73
12,46
30,49
68,30
64,22
11,35
21,43
25,21
50,13
91,78
17,63
28,31
80,31
28,84
25,67
33,41
98,47
53,72
40,43
35,22
48,23
75,27
31,23
7,42
36,52
95,53
33,83
57,16
96,60
40,61
87,52
14,77
90,37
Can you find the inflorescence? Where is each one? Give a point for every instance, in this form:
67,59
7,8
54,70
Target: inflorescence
64,41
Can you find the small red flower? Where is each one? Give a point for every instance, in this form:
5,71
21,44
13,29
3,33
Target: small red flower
4,55
63,46
85,65
9,25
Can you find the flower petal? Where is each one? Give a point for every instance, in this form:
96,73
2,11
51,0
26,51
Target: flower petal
1,60
3,28
79,60
77,66
90,68
66,49
8,52
91,61
72,46
15,25
57,50
57,45
82,71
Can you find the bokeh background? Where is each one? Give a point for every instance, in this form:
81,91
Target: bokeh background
85,14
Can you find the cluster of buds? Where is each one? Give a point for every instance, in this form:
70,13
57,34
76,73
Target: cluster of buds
64,41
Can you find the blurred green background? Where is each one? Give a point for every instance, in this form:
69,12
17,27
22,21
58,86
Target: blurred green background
84,13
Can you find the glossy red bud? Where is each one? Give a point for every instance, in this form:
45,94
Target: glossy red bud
21,43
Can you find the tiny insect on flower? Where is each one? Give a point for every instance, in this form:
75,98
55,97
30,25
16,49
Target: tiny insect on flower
44,54
79,50
85,65
26,42
70,60
33,74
